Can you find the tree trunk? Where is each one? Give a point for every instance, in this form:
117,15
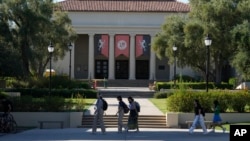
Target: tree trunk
25,60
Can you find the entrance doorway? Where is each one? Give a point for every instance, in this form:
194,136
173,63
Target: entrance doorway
121,69
101,69
142,69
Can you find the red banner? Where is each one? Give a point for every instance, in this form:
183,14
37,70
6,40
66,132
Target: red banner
101,44
122,45
142,45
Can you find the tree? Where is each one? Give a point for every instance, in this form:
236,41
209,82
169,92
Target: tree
241,39
214,17
32,24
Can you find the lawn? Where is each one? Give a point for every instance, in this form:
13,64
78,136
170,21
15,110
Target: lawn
227,125
161,104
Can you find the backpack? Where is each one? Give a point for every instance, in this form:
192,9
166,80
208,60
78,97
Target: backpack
137,106
105,105
125,108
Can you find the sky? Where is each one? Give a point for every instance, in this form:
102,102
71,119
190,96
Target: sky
184,1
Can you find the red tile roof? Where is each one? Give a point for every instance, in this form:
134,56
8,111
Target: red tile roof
124,6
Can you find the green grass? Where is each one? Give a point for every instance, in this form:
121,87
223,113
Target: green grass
161,104
227,126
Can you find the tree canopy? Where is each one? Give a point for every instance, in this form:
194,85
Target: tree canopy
222,20
27,28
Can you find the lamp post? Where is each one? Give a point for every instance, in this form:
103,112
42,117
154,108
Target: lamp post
50,49
70,49
174,49
208,42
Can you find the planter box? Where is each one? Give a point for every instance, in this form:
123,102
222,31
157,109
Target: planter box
70,119
179,119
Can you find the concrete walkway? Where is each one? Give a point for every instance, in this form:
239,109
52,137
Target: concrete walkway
147,108
81,134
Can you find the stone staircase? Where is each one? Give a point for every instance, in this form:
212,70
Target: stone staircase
125,88
144,121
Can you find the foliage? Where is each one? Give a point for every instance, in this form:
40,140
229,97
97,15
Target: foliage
160,95
237,100
66,93
47,104
233,82
194,85
29,26
57,82
221,21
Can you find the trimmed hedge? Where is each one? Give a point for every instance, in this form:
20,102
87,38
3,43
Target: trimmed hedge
200,85
66,93
235,101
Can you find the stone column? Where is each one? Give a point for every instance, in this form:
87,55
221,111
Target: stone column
111,57
132,57
152,62
91,62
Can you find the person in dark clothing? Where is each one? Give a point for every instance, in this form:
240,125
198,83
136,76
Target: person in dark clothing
120,114
199,118
133,115
7,105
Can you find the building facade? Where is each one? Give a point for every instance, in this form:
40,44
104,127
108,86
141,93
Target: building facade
114,39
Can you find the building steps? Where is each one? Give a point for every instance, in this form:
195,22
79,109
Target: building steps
111,121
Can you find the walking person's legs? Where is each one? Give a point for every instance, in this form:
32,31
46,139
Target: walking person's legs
100,116
120,123
94,124
191,129
202,123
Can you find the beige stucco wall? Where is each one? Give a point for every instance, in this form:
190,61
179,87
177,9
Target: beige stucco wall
71,119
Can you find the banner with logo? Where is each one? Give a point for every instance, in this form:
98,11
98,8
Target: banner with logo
142,45
101,43
122,45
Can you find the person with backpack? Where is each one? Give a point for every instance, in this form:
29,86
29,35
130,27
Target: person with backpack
122,109
133,115
98,114
199,117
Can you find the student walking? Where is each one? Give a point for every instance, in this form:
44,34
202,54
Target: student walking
98,115
133,115
121,110
216,118
199,117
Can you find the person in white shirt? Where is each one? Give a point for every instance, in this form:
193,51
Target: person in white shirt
98,115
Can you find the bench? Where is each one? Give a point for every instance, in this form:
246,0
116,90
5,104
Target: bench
42,122
207,123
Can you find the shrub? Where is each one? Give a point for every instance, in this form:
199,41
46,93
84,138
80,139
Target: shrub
239,100
162,94
47,104
183,101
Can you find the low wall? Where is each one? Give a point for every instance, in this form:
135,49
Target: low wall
71,119
178,119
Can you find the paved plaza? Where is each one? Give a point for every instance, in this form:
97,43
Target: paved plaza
82,134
